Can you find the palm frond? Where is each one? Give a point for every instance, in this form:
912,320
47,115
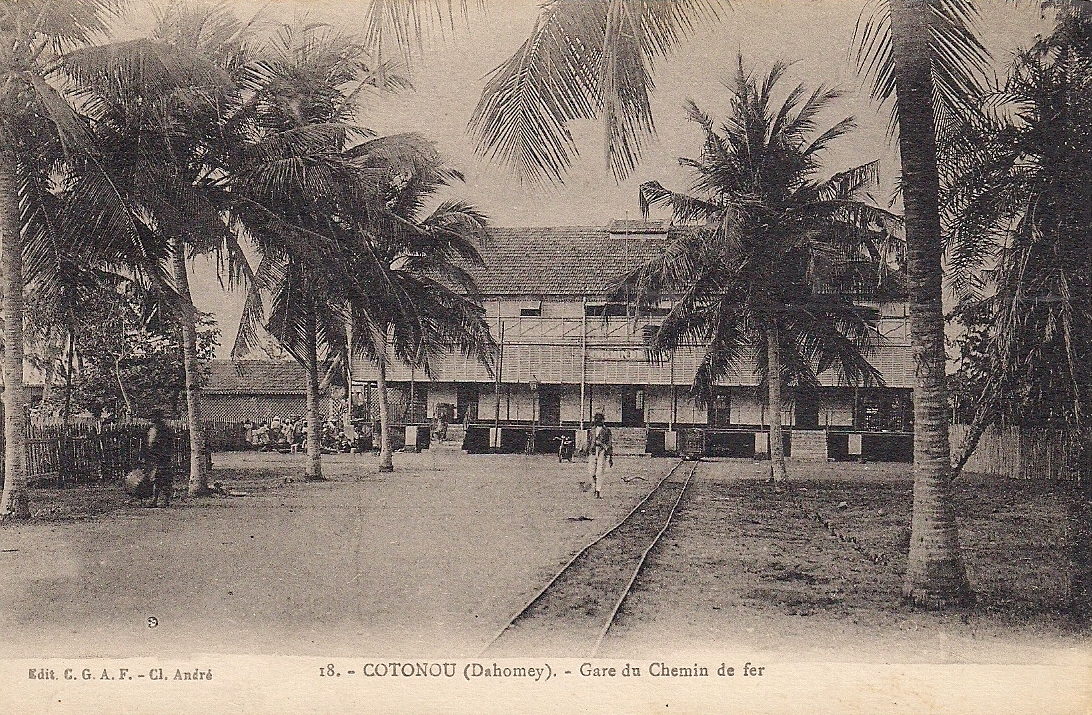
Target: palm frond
582,60
958,58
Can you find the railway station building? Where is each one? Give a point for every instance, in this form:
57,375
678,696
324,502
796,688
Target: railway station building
566,353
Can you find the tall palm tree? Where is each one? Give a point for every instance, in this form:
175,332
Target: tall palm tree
161,109
925,59
413,298
295,188
764,228
1019,226
338,222
594,59
46,152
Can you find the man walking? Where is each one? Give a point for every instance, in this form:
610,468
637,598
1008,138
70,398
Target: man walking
600,452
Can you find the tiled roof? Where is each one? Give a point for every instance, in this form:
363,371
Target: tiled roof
565,260
637,226
255,377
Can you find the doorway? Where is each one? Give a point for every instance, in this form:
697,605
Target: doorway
466,403
633,407
806,410
549,405
720,409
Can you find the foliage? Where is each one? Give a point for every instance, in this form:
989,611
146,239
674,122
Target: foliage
126,354
958,60
593,59
339,217
1019,227
764,235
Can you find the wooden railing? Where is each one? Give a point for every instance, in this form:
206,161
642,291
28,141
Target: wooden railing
534,328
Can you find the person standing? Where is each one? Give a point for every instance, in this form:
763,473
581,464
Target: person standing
600,452
159,458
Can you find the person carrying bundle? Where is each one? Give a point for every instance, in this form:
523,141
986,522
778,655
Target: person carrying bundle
159,458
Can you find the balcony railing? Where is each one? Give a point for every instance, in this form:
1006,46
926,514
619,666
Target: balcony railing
574,330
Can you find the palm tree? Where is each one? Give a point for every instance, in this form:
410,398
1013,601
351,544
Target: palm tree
924,58
295,188
413,298
46,152
583,60
1019,226
594,59
160,107
749,272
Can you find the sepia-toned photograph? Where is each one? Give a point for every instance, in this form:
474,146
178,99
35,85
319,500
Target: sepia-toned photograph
546,356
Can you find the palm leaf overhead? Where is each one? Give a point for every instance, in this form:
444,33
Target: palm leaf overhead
405,24
587,59
958,59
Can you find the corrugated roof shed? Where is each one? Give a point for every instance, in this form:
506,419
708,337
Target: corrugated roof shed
255,377
565,260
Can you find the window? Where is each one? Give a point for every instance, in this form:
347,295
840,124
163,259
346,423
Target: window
609,310
530,312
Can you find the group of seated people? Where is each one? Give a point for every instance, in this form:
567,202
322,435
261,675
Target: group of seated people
290,435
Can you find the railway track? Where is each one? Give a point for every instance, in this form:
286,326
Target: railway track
572,614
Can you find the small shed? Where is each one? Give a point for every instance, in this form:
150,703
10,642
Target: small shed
257,391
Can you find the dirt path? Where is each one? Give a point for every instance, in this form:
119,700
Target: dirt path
431,560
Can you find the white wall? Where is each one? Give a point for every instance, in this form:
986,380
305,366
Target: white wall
837,413
746,409
519,403
689,413
486,404
570,403
658,403
562,309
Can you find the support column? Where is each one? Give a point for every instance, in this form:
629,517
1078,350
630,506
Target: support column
583,358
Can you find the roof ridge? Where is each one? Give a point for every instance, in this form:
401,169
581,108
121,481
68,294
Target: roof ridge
584,227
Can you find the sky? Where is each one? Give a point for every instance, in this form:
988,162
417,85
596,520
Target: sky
450,71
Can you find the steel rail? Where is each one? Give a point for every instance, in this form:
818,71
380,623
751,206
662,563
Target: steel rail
641,563
539,594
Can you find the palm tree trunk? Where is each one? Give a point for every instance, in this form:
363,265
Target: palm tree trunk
777,446
314,433
199,474
935,575
69,360
386,460
121,386
15,503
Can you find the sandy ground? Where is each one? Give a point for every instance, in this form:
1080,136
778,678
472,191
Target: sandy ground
434,559
744,570
431,562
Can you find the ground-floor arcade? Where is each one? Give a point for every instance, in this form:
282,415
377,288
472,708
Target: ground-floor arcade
827,423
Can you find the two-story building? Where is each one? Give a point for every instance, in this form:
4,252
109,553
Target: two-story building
567,353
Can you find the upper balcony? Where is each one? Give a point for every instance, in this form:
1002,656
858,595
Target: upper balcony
892,327
593,329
